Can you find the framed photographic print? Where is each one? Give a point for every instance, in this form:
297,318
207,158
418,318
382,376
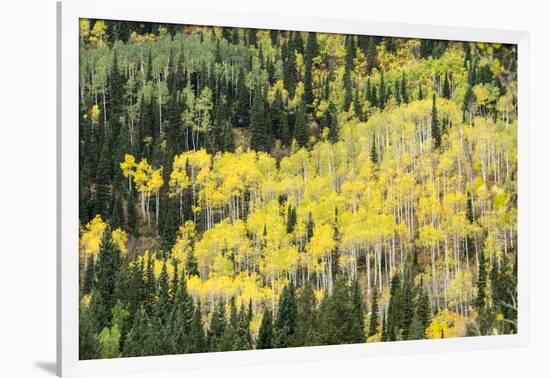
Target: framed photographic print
238,188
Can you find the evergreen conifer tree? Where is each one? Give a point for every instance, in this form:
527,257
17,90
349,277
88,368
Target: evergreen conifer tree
285,323
258,140
306,333
265,334
436,133
300,127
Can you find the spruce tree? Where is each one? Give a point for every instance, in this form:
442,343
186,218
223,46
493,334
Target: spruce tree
149,286
131,215
265,334
300,127
480,300
469,208
107,268
217,329
382,96
407,302
446,92
243,337
285,323
88,344
436,133
197,336
306,333
372,54
404,94
374,316
357,328
291,219
348,68
312,50
423,310
395,307
258,140
163,308
182,318
229,337
138,340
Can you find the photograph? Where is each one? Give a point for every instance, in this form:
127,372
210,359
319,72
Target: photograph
245,189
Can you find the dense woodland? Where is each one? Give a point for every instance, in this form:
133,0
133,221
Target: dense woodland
251,189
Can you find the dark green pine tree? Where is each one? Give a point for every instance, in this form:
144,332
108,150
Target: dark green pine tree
423,309
289,67
395,310
332,123
470,208
138,340
480,300
107,268
258,139
265,334
217,329
285,130
182,318
197,336
242,112
312,50
374,320
131,215
348,67
116,93
149,286
374,152
191,265
164,306
216,137
243,337
285,323
88,344
300,127
372,54
298,42
404,93
310,225
436,133
229,337
161,341
420,93
89,277
446,92
382,96
306,333
407,302
357,327
397,93
291,219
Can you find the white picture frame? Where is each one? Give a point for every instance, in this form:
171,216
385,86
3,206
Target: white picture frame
68,363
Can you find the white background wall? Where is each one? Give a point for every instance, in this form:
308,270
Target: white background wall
27,187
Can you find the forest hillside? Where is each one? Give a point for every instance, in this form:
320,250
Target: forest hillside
245,188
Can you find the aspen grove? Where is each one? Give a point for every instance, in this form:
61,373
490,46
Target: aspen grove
252,189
